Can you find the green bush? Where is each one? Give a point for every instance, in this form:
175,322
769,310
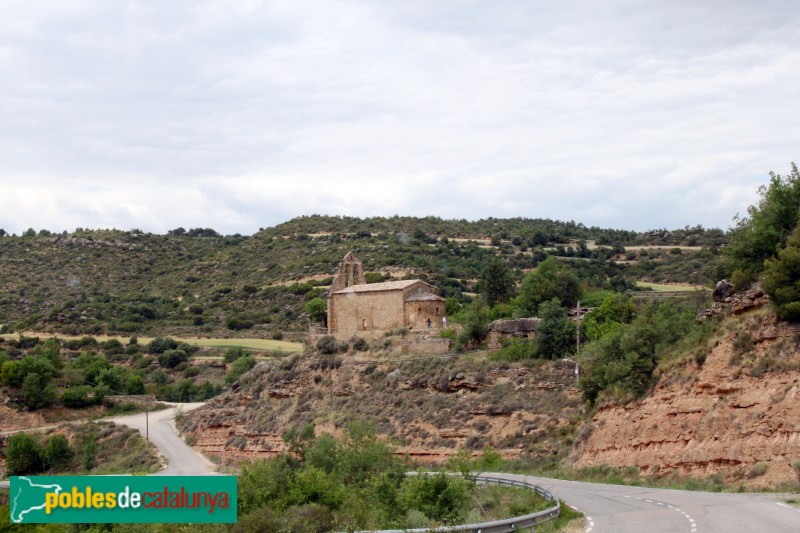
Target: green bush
37,392
89,454
172,358
327,345
239,322
79,396
240,367
160,345
555,333
113,347
57,453
24,455
317,309
515,350
235,352
781,279
438,496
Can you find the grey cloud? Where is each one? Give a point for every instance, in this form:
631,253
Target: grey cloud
248,113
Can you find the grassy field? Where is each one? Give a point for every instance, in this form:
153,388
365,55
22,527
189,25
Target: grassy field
268,345
662,247
665,287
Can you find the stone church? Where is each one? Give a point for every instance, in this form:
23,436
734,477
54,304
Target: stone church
370,310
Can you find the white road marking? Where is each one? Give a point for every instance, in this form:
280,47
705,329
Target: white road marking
589,524
692,523
789,507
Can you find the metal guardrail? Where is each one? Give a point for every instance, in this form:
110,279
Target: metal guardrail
528,521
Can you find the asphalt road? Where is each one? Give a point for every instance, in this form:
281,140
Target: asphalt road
624,509
181,459
608,508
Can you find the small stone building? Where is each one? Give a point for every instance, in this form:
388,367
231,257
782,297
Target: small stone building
370,310
501,330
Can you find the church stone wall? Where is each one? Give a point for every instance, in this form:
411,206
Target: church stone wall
365,314
418,313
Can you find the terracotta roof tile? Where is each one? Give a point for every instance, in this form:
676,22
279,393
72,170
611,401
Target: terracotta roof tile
384,286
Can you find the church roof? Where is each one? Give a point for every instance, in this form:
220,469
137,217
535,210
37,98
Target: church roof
384,286
424,297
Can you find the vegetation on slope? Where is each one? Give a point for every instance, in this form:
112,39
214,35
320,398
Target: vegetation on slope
78,374
198,283
94,448
355,482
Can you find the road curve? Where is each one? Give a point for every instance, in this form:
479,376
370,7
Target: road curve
625,509
181,459
608,508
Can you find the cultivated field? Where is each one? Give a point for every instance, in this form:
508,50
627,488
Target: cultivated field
667,287
250,344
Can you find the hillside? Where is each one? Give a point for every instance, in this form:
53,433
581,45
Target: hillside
732,415
729,414
198,283
430,407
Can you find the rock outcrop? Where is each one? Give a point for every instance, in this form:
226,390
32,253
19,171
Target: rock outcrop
737,416
430,408
722,291
736,303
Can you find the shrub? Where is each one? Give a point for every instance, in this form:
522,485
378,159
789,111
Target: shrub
439,497
160,345
23,455
235,352
758,469
89,453
448,333
57,453
134,384
415,519
113,347
317,309
327,345
37,392
515,350
240,367
239,322
78,397
172,358
360,344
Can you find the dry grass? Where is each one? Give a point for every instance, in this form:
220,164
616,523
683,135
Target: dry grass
251,344
669,287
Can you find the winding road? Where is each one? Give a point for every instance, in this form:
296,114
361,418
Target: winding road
608,508
181,459
625,509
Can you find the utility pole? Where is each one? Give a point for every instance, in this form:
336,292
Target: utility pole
577,343
330,381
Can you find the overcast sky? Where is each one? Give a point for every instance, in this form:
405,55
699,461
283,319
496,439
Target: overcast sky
241,114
